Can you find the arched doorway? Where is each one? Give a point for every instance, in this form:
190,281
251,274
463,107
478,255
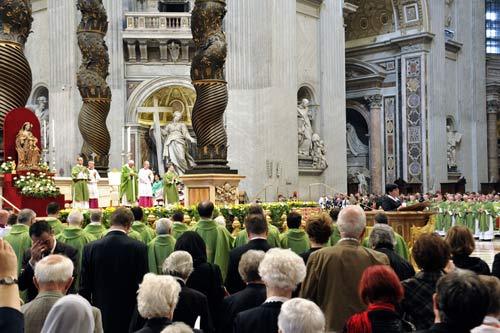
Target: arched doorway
358,143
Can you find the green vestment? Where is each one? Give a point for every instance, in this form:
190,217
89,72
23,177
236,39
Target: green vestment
178,229
20,240
96,230
147,234
218,241
158,250
135,235
129,185
80,188
170,193
56,225
295,240
273,236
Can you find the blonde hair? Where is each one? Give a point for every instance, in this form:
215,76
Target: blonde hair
282,269
157,295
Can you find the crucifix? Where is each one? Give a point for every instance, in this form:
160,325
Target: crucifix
156,110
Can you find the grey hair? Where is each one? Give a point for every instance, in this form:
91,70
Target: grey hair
382,234
157,295
249,265
163,226
25,216
179,264
75,217
351,222
299,315
95,215
282,269
177,328
54,268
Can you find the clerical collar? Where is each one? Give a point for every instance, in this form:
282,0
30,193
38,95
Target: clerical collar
276,299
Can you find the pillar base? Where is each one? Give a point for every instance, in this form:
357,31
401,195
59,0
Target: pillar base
221,189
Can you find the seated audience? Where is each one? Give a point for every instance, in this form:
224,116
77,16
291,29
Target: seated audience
157,298
256,227
19,237
381,291
11,319
400,247
294,238
71,313
53,218
53,277
44,244
178,226
95,227
319,230
382,240
334,292
491,323
460,303
281,270
431,254
253,295
161,246
147,234
299,315
462,244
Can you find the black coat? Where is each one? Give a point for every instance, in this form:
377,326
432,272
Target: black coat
496,266
444,328
305,256
156,325
252,296
234,283
403,269
112,269
11,320
477,265
390,205
27,272
262,319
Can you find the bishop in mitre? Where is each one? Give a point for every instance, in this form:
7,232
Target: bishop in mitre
80,177
129,186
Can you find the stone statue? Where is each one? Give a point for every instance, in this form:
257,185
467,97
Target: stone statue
41,110
318,152
305,129
27,149
175,149
354,144
174,51
362,182
454,139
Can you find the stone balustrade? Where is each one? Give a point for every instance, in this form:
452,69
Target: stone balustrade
157,21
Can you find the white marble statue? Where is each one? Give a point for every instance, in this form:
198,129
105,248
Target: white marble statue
174,49
175,148
362,182
305,129
355,145
318,152
454,139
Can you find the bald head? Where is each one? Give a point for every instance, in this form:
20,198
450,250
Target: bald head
54,273
351,222
206,209
4,216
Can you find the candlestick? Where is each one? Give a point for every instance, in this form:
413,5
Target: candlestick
53,134
44,133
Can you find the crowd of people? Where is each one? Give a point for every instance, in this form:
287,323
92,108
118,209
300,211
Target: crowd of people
325,275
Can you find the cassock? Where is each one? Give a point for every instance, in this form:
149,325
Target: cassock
390,204
80,176
128,186
146,179
94,178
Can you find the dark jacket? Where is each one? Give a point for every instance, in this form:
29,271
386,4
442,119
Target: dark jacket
27,272
390,205
112,269
444,328
262,319
384,321
496,266
474,264
305,256
404,270
234,283
156,325
11,320
252,296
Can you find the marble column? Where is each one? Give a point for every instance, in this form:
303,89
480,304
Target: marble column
376,163
492,141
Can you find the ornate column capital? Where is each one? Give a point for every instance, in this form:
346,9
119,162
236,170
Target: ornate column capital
492,106
375,101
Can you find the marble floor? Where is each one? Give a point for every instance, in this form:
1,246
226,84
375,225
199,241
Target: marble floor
487,250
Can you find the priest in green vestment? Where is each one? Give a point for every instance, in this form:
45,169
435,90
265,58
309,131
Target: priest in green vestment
95,227
161,246
295,238
170,193
217,239
53,218
18,236
147,234
129,186
80,176
178,225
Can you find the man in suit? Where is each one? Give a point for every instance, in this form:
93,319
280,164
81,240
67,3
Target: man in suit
256,227
53,277
112,269
44,244
333,273
391,202
252,296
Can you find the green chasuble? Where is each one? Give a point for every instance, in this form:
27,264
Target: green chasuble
19,238
56,225
296,240
147,234
400,248
97,230
158,250
178,229
80,188
135,235
129,185
170,193
273,237
218,241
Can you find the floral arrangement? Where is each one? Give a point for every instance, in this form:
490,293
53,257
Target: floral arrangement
37,185
8,166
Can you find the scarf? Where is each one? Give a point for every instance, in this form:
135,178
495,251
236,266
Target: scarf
360,323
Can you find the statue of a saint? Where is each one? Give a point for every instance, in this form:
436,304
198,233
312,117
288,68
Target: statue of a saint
175,149
305,129
318,152
174,51
362,182
454,139
354,144
27,149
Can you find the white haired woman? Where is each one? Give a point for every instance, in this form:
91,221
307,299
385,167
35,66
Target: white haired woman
281,270
161,246
299,315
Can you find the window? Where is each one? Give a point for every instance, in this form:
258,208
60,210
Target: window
493,26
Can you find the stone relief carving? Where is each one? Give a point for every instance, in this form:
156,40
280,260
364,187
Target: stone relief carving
311,149
226,194
372,18
453,140
354,144
409,13
174,49
318,152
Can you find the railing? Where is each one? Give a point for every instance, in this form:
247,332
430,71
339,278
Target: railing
157,21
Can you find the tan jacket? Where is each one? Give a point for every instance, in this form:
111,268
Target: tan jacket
333,275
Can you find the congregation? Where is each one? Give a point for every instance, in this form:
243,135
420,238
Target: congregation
325,275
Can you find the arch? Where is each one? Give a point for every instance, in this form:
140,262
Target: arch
306,89
361,109
40,89
363,75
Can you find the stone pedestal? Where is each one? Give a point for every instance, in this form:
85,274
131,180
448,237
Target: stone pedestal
221,189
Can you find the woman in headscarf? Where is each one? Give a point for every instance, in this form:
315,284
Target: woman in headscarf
71,313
